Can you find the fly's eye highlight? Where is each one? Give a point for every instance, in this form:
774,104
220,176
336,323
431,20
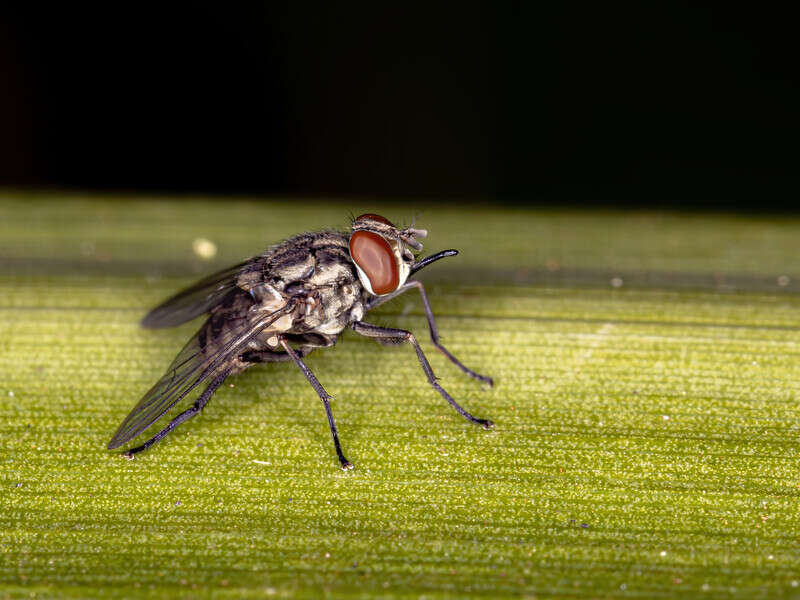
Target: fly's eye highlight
374,217
375,259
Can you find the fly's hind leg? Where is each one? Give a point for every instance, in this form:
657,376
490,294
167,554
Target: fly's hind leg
257,356
398,336
184,416
324,396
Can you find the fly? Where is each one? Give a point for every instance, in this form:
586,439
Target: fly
281,305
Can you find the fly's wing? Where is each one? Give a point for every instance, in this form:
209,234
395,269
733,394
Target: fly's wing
195,300
190,368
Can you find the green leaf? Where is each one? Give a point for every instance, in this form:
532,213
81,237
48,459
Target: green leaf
646,410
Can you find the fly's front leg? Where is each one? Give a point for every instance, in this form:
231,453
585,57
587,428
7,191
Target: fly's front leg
324,396
401,335
435,337
432,326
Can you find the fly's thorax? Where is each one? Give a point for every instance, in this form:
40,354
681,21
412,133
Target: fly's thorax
304,258
337,306
326,310
313,278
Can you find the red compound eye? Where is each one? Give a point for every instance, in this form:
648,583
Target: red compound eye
374,217
375,258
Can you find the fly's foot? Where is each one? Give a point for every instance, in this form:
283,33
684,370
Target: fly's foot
483,378
474,374
485,423
129,455
347,465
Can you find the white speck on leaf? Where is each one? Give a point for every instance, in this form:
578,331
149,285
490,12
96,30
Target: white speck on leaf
204,248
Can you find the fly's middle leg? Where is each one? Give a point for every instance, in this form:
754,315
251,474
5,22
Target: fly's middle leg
324,396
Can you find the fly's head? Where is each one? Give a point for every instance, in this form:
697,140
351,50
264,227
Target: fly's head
382,253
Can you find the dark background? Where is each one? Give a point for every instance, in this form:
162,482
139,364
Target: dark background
639,104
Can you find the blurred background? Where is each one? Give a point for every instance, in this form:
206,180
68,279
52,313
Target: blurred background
647,104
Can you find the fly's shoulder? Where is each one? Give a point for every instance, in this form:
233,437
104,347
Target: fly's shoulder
310,267
310,243
332,256
308,258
